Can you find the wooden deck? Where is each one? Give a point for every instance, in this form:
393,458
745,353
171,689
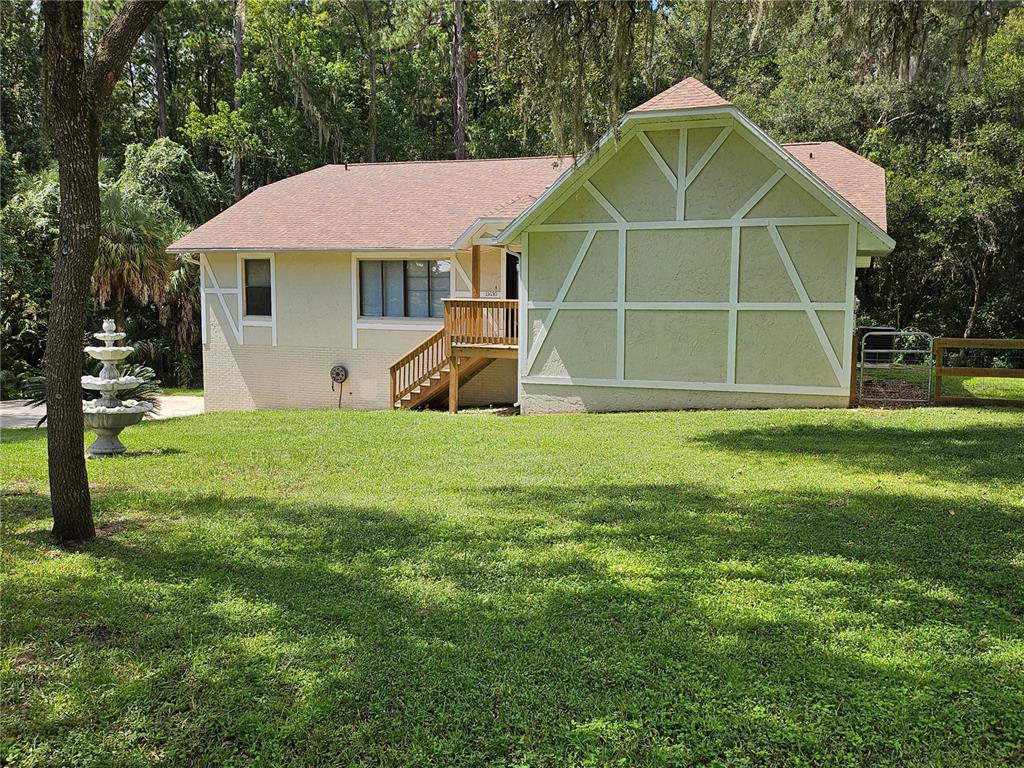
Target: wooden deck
475,332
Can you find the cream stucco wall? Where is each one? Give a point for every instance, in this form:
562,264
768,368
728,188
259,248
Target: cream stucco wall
313,319
688,267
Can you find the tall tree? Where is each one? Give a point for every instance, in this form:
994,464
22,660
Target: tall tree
237,33
458,82
76,89
155,35
705,70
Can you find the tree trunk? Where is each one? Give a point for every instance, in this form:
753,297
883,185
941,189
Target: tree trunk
371,54
117,306
458,84
74,95
706,67
237,33
156,42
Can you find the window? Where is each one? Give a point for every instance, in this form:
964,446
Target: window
395,288
257,287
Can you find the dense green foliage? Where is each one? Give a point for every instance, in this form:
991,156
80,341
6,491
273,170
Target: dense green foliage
932,90
718,588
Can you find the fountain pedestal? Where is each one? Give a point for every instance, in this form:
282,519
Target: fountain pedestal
107,415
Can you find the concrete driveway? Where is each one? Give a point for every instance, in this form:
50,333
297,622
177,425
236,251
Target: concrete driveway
16,413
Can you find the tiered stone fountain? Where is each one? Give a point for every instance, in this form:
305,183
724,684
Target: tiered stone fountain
108,414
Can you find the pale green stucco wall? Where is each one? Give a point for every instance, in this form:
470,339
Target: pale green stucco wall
671,351
314,314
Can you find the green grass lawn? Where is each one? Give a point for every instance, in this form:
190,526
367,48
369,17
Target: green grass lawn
333,588
982,386
190,391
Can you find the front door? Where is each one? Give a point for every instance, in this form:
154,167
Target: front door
511,275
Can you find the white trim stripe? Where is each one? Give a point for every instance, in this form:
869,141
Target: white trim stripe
812,315
611,209
713,386
796,221
706,157
680,173
658,159
559,298
758,196
211,275
734,299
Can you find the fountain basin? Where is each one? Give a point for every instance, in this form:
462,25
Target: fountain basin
107,423
108,353
109,337
100,384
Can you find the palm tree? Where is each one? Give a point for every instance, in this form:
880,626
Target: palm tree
135,230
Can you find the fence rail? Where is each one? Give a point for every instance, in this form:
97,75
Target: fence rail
940,346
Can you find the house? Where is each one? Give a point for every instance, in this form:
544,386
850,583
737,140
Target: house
688,261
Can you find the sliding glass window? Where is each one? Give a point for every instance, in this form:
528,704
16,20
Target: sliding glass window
397,288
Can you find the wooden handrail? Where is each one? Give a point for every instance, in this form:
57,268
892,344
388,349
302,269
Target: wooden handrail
481,322
422,361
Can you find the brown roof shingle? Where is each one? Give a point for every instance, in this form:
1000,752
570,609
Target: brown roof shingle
855,178
429,204
413,205
690,93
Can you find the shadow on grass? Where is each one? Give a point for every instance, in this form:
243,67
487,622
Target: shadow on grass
643,624
972,453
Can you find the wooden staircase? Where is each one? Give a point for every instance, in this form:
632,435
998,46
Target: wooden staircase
424,373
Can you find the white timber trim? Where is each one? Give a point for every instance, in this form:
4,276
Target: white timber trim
676,306
708,154
812,315
620,310
399,324
355,301
525,327
658,159
681,173
758,196
712,386
457,268
203,319
733,119
559,298
796,221
851,278
220,293
609,208
734,303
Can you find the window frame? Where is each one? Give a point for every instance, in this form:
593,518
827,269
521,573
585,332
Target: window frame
256,321
404,320
246,315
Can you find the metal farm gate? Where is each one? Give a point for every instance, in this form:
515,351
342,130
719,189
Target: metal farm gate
894,368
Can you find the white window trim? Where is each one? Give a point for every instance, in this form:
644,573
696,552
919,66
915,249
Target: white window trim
257,321
370,323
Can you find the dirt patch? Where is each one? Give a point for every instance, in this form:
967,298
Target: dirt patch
24,659
893,393
110,528
99,635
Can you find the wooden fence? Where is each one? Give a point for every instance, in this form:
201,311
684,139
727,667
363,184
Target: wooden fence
939,348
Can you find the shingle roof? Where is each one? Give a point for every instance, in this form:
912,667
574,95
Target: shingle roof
690,93
428,205
415,205
857,179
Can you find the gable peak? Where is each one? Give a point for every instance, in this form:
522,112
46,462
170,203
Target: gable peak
690,93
